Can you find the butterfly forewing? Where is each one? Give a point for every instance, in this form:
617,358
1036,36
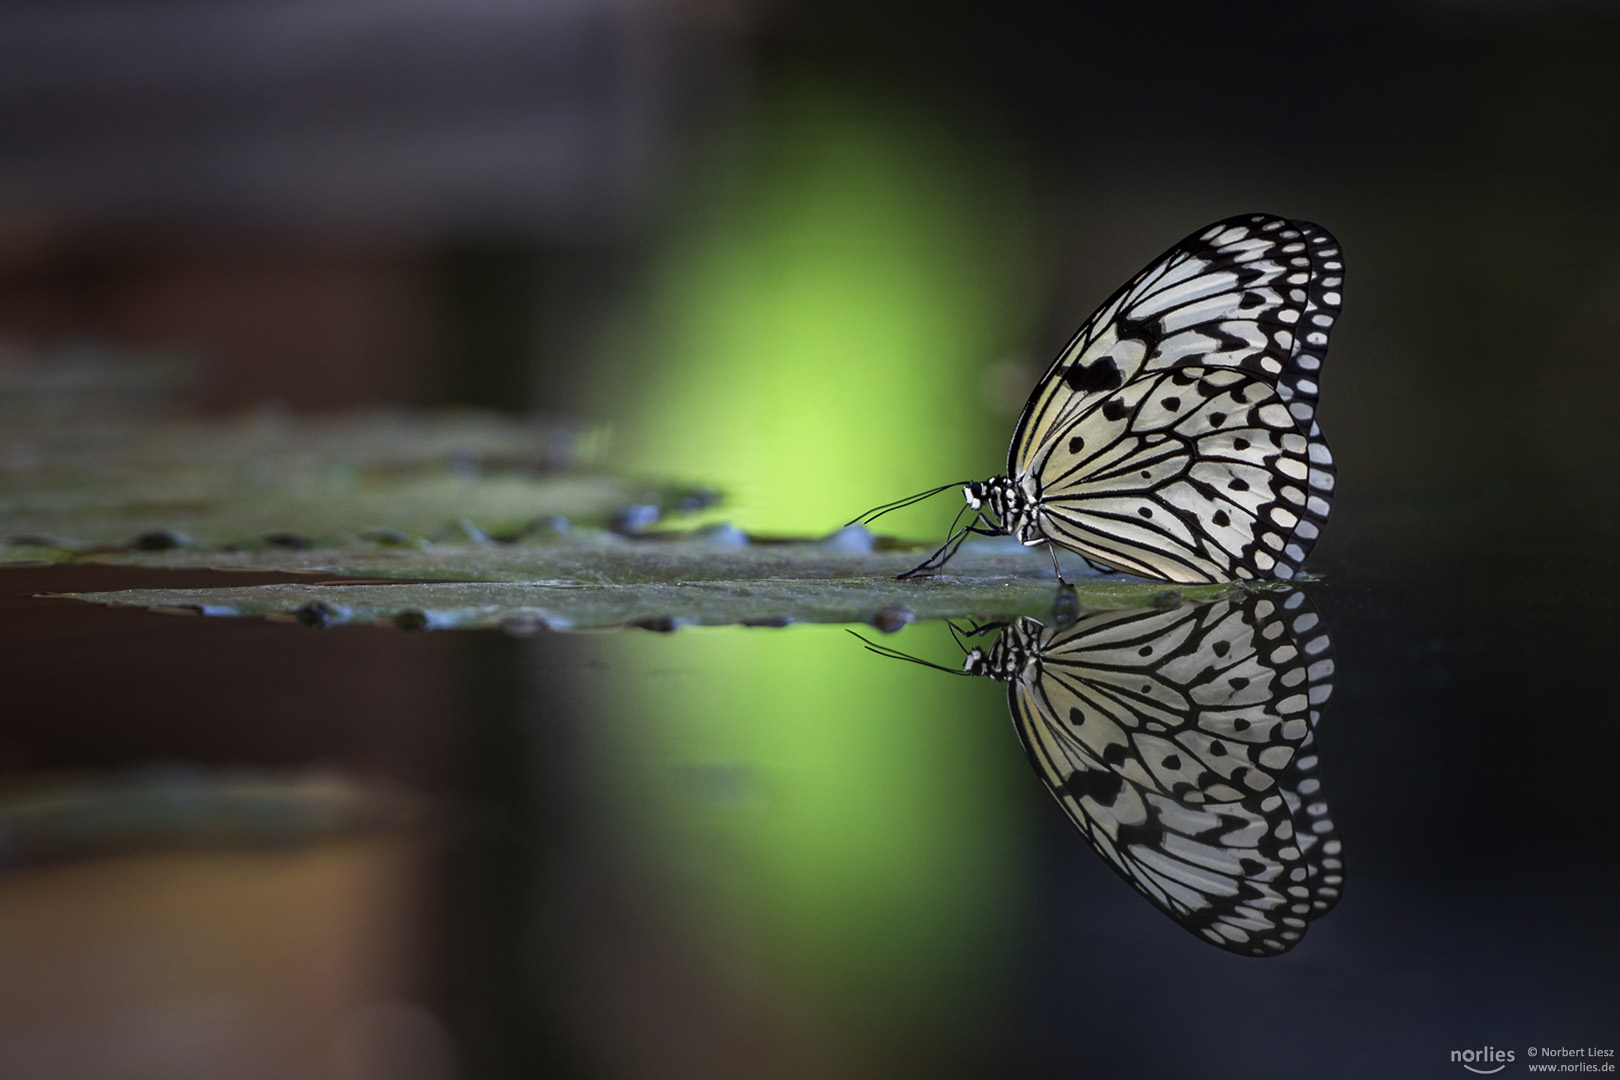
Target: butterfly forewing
1318,280
1176,743
1256,293
1193,474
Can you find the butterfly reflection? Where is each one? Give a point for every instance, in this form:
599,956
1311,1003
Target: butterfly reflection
1180,742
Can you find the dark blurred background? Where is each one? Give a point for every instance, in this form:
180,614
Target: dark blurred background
332,204
815,254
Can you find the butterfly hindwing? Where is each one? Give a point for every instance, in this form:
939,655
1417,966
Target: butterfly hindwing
1193,474
1185,702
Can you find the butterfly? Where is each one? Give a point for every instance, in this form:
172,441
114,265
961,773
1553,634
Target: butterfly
1175,436
1180,742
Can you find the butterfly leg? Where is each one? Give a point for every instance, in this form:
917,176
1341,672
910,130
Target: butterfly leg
1052,549
938,559
947,549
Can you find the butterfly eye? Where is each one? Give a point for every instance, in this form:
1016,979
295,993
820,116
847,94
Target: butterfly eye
974,493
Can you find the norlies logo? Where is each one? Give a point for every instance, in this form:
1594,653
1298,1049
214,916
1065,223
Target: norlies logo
1485,1056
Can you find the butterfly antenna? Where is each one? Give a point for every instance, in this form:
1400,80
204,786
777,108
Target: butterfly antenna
896,654
899,504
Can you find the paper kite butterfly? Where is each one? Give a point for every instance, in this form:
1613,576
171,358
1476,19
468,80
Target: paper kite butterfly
1175,436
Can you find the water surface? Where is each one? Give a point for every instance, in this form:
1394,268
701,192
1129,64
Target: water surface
766,851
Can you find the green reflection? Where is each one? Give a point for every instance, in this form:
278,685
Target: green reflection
814,341
852,824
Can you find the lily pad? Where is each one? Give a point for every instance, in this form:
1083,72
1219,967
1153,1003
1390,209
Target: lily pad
594,580
462,520
272,480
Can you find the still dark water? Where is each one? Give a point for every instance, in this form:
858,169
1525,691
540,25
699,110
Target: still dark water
769,853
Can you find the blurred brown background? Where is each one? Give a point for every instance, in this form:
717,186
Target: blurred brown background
331,204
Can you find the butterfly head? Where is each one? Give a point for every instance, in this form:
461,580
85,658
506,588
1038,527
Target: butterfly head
1006,507
1018,643
996,496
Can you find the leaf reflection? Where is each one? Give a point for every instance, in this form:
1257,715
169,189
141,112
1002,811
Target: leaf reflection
1180,742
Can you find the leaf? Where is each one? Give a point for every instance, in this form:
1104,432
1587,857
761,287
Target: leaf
459,520
272,480
592,580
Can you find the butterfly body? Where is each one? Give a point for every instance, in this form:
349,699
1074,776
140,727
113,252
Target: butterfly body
1016,648
1175,436
1012,506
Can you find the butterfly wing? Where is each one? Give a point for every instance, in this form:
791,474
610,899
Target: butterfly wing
1187,702
1176,743
1256,293
1191,474
1317,837
1301,784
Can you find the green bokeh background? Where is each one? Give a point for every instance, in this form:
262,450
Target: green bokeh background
813,334
812,339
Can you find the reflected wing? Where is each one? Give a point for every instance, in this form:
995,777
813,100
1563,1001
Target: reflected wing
1300,783
1317,837
1179,743
1194,474
1255,293
1195,703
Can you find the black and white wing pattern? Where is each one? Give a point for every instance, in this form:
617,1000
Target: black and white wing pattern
1257,293
1318,838
1191,474
1180,743
1175,436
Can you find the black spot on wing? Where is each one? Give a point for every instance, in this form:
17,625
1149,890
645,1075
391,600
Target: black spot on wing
1100,786
1100,375
1144,330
